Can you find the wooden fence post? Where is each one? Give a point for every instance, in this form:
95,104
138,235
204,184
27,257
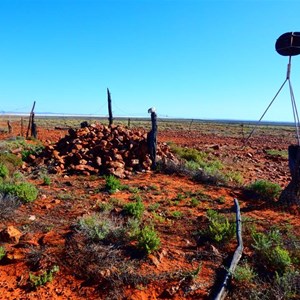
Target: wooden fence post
29,123
110,115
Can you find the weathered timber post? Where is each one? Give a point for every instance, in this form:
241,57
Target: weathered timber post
152,137
22,126
33,127
129,122
9,127
110,115
29,123
291,194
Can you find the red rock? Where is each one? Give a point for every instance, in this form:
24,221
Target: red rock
10,235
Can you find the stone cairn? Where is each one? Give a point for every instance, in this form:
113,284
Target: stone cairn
101,149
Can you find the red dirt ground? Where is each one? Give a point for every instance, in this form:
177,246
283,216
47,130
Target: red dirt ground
45,223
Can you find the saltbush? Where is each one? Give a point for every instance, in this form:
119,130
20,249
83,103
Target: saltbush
3,171
2,252
244,274
148,240
271,251
134,209
42,279
24,191
94,228
220,229
112,184
265,189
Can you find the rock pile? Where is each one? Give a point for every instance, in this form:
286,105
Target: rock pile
101,149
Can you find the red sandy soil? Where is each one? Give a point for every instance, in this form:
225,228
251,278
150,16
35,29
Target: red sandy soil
46,223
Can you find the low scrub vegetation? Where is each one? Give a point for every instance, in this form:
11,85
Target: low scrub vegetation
202,167
219,229
270,250
24,191
264,189
112,184
41,279
148,240
2,252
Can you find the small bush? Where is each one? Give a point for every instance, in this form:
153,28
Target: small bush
177,214
10,161
219,228
94,228
194,202
277,153
112,184
270,250
47,276
287,285
148,240
8,204
235,177
2,252
24,191
244,274
101,228
31,150
3,171
134,209
46,180
265,189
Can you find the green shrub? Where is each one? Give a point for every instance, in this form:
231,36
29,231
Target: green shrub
3,171
177,214
219,228
270,250
148,240
265,189
2,252
47,276
244,273
105,206
235,177
10,160
31,150
287,285
94,228
153,206
112,184
134,209
281,153
194,202
46,180
280,258
101,228
24,191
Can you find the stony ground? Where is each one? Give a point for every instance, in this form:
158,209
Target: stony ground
43,233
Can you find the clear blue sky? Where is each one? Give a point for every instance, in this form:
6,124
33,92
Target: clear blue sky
204,59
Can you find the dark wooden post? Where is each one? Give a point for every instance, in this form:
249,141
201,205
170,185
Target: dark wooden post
291,194
9,127
29,123
129,122
152,137
110,116
22,126
33,127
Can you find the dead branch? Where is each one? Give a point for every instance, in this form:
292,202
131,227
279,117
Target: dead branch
237,254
